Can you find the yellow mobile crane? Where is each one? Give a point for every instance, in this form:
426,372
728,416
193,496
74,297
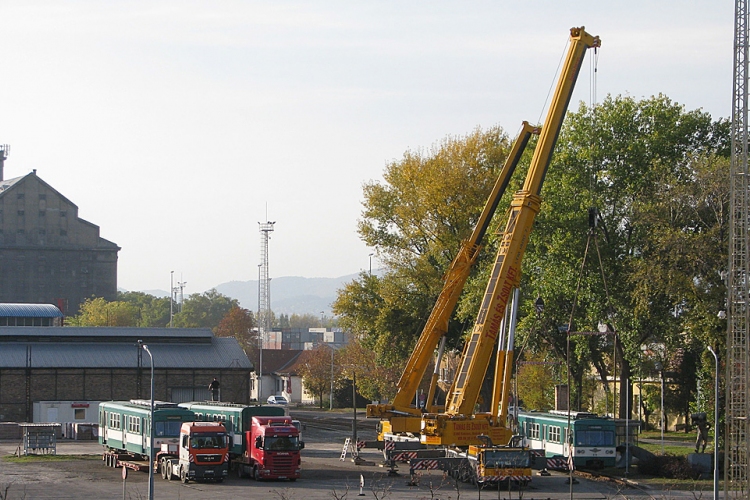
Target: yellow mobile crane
459,425
401,417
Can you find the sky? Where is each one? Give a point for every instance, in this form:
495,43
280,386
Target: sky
178,126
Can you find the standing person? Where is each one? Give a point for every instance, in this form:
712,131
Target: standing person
214,388
700,421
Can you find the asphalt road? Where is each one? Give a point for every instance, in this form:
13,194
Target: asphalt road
82,475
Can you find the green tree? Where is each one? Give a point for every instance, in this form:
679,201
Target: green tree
651,169
204,310
152,311
99,312
416,220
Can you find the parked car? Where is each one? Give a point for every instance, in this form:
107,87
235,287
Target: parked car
277,400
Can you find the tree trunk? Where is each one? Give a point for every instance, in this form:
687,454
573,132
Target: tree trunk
626,390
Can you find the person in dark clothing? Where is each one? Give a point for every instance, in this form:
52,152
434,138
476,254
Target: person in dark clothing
214,388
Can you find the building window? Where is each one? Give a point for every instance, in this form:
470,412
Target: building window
80,412
534,431
42,196
21,212
63,213
63,232
21,231
20,196
42,213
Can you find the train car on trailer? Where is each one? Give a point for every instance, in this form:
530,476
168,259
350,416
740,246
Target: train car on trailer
237,418
593,442
124,425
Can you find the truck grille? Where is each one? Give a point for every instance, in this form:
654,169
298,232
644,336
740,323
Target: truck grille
285,464
213,458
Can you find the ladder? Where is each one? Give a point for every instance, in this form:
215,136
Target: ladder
347,447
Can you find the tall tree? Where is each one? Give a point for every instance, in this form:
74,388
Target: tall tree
319,370
204,310
239,323
99,312
659,228
416,220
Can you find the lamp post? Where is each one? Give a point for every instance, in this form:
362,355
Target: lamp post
330,394
660,368
150,427
716,424
171,287
371,264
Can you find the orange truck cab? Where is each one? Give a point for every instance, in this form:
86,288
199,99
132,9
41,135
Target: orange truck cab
202,453
273,449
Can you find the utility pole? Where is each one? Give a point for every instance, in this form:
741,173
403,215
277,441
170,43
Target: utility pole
171,302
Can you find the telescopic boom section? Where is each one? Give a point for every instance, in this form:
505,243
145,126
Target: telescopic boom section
437,324
506,273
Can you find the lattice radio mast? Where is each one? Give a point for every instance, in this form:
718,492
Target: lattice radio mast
264,299
738,362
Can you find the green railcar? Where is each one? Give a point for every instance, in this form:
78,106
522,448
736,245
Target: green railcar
237,418
124,425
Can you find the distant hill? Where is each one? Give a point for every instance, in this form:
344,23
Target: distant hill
289,294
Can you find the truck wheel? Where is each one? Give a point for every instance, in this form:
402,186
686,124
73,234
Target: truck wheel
220,480
183,476
169,470
163,468
240,471
256,473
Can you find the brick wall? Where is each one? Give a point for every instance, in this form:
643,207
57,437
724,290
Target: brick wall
107,385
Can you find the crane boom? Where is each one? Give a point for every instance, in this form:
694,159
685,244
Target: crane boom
396,415
451,427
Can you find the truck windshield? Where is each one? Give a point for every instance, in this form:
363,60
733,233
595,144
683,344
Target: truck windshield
284,443
167,429
501,459
203,441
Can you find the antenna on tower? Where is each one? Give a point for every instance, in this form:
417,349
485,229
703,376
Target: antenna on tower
4,151
264,294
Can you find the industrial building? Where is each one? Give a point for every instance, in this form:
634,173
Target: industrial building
48,255
69,370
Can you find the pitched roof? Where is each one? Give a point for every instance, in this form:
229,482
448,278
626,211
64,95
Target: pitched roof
76,347
276,360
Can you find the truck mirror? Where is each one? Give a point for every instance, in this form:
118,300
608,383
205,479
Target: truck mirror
301,445
258,442
230,441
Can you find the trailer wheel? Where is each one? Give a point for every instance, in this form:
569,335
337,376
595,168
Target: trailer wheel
240,471
256,473
169,470
183,476
163,468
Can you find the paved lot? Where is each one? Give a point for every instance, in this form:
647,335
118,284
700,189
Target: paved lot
82,475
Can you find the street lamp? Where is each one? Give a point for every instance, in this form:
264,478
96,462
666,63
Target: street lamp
330,394
716,424
371,264
150,426
660,368
171,288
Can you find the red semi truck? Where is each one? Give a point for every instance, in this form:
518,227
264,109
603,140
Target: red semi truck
272,450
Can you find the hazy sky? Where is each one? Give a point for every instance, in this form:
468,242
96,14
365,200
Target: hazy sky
175,125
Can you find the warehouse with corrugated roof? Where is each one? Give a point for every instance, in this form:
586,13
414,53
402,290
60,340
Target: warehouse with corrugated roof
78,365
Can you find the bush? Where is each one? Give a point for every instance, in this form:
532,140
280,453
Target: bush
668,466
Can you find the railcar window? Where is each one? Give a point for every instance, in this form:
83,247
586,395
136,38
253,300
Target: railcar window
167,429
595,438
554,433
